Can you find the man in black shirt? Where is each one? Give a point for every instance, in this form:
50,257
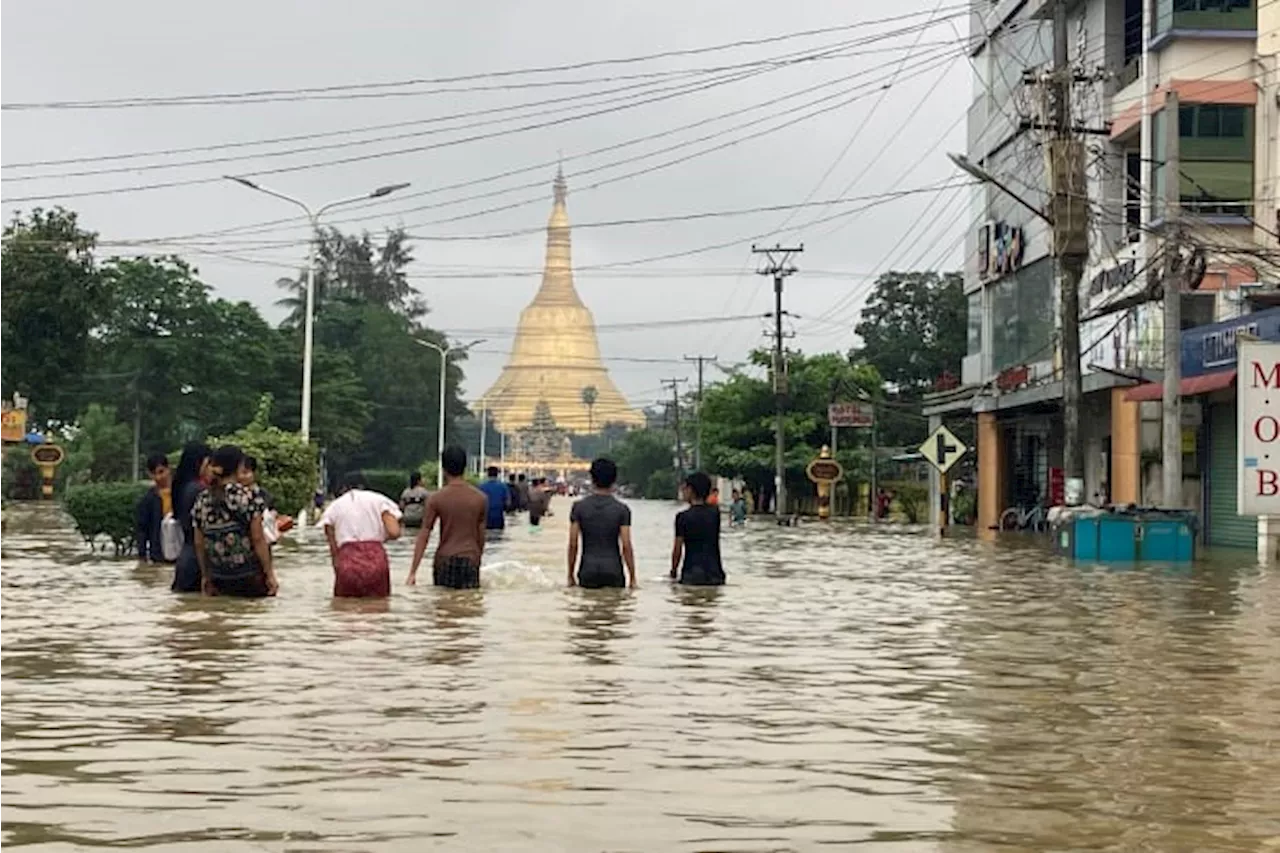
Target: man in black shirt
698,537
603,523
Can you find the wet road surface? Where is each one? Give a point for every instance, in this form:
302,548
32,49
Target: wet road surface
850,689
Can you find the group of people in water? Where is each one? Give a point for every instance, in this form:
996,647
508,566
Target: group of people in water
223,526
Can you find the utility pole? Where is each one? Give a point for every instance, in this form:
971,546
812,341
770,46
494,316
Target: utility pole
1171,399
778,266
1069,211
675,402
697,447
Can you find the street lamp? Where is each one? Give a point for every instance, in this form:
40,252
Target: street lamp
308,323
444,364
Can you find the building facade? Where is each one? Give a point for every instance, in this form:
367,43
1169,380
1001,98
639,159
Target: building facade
1179,106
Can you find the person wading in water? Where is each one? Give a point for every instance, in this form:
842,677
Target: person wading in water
356,524
603,524
413,501
461,509
231,546
188,482
698,537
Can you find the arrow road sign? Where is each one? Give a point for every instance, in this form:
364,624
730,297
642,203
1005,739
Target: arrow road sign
942,449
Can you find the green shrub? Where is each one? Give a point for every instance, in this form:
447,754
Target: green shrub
662,485
391,481
911,498
287,468
106,509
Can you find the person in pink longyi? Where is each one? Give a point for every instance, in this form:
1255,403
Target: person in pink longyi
356,524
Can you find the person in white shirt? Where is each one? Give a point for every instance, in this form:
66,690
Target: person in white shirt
356,524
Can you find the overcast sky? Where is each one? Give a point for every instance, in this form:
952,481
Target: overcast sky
145,48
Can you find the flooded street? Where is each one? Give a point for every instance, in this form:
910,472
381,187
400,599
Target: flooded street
850,689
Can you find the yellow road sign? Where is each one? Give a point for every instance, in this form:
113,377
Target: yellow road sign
942,449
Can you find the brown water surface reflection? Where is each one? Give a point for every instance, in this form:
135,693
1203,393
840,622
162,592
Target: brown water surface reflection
850,689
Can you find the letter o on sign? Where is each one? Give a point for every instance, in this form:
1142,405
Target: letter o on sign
1266,429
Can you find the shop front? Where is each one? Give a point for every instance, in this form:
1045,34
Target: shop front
1208,362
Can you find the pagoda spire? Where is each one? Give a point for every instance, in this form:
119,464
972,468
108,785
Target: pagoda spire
555,354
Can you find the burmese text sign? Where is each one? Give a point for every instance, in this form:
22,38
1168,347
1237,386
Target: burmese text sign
1258,422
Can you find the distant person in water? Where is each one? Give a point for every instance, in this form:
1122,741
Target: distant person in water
601,524
461,509
499,499
713,499
522,493
513,495
156,505
539,501
695,555
413,501
356,524
738,509
230,544
189,479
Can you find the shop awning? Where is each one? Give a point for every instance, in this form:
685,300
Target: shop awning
1189,387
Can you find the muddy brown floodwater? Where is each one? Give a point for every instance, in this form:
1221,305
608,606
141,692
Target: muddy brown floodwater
850,689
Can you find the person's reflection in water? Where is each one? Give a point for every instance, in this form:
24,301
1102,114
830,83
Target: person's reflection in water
459,614
697,610
202,641
597,618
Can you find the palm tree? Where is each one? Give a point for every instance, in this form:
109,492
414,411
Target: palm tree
589,397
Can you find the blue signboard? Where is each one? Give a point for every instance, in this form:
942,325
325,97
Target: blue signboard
1209,349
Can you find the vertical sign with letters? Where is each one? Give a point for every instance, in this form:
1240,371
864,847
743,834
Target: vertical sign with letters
1258,424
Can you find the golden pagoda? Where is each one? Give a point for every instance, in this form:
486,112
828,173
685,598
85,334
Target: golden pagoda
556,357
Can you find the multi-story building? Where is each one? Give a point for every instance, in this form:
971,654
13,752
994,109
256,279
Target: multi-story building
1179,106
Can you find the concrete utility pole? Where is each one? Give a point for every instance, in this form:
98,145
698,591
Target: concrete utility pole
779,267
1069,212
675,402
1171,400
697,447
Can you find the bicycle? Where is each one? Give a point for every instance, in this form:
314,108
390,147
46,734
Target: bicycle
1033,518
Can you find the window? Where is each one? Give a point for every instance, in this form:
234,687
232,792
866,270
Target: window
975,324
1022,316
1205,15
1132,196
1215,154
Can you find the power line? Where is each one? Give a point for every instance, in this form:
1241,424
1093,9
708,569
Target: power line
302,93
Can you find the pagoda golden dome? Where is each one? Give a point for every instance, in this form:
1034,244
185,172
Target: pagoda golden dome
556,355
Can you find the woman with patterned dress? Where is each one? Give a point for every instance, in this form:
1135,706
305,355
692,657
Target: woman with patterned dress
230,543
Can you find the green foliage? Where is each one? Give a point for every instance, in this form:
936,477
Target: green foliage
356,270
913,328
388,481
287,468
51,297
661,485
22,478
640,454
738,420
105,509
911,498
101,450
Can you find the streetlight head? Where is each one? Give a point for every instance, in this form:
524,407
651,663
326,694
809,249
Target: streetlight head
387,190
963,163
242,181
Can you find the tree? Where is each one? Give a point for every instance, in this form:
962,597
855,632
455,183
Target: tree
738,419
640,453
913,329
51,297
589,397
101,448
354,269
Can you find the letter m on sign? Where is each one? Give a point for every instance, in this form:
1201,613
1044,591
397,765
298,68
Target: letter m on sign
1265,374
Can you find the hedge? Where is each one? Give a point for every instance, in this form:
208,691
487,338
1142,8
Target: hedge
390,481
106,509
287,468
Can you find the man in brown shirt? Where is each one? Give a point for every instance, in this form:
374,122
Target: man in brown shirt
460,507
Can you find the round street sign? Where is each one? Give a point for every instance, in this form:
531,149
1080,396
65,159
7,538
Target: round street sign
825,470
47,454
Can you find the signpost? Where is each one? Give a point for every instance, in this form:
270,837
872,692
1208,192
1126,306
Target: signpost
825,472
48,457
861,414
943,450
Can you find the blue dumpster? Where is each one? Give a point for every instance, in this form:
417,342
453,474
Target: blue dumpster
1130,535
